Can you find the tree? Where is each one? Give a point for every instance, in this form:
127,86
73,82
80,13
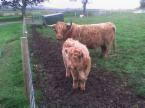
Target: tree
19,4
84,2
142,3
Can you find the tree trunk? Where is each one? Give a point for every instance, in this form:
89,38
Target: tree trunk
23,9
23,12
84,9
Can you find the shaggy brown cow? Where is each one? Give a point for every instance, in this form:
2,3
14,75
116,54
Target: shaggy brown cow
93,35
77,62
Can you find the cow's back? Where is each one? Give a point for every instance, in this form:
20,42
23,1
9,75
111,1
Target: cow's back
94,35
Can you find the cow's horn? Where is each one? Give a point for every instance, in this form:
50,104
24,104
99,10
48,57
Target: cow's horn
51,25
71,23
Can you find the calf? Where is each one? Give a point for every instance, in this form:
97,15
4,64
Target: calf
77,62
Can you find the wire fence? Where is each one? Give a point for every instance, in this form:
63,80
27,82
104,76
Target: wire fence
27,68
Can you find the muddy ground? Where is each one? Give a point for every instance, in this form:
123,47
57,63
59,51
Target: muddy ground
103,88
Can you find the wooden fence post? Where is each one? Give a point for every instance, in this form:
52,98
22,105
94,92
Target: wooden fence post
26,67
27,72
29,90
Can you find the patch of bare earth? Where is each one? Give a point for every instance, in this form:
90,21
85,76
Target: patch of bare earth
103,89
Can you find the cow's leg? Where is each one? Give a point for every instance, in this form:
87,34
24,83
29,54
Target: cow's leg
75,79
95,49
82,85
75,83
105,51
82,80
103,48
68,71
67,74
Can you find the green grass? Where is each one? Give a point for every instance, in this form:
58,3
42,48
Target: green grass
10,18
11,75
129,59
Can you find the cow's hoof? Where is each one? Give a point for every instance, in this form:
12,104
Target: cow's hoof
75,87
82,88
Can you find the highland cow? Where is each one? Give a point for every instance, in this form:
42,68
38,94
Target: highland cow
92,35
77,62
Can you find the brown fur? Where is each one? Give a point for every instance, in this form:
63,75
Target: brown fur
93,35
77,62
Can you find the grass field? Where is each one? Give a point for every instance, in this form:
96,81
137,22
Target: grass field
129,59
11,75
10,18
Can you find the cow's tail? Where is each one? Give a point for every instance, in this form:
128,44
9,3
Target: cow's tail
114,40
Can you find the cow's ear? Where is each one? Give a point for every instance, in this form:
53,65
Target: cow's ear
53,26
68,25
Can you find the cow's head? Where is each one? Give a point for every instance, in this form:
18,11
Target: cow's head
76,56
60,29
